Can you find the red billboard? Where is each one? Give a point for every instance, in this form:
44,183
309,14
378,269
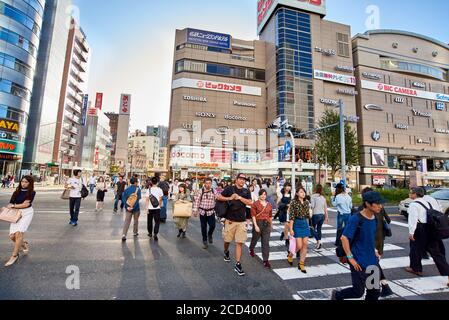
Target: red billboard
99,101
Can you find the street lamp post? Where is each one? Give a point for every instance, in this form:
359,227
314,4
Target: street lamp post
342,141
292,138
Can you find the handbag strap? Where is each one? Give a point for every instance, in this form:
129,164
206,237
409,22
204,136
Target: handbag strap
262,210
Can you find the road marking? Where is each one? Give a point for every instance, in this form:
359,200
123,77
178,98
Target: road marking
336,269
401,288
405,225
273,234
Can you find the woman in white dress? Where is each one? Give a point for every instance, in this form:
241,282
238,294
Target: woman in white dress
22,199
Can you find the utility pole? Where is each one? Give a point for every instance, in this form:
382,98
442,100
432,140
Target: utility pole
342,141
293,159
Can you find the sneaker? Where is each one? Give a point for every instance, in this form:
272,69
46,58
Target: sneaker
156,238
267,265
227,258
386,291
183,235
251,253
136,235
115,211
410,270
123,238
334,295
238,268
75,224
25,247
205,246
211,240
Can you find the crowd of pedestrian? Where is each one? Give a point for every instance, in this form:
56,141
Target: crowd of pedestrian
361,232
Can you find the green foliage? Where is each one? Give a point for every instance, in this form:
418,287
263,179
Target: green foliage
328,145
395,195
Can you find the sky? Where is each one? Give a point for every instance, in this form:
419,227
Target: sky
132,41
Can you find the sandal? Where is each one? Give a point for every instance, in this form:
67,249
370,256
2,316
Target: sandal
301,267
25,247
12,261
290,259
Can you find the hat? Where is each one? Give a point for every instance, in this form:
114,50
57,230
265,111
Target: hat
373,197
241,176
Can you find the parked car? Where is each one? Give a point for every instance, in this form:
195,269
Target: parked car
441,195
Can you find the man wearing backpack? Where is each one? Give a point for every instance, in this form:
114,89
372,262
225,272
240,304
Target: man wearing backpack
204,206
422,236
358,241
154,200
165,187
237,219
131,198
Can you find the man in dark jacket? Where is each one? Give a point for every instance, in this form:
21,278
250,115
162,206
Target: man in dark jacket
165,186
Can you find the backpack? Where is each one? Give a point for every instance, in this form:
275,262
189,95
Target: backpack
340,251
153,200
132,199
437,223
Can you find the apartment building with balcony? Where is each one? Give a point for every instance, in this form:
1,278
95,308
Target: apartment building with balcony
73,102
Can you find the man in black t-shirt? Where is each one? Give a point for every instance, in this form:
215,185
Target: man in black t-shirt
237,219
120,187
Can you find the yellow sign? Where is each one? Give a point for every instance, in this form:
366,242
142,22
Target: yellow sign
9,125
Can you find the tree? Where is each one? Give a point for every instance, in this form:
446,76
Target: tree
328,146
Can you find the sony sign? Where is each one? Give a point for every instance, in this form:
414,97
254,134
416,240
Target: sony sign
265,8
205,115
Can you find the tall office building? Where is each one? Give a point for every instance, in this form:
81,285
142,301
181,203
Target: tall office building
309,68
73,101
47,83
161,132
403,106
20,34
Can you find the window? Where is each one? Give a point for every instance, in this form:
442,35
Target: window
390,64
17,40
343,45
19,16
15,64
7,86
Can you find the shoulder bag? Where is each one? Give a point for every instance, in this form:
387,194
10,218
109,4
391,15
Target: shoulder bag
10,215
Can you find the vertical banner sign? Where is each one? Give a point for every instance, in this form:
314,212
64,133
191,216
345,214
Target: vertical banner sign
85,106
125,105
99,101
97,157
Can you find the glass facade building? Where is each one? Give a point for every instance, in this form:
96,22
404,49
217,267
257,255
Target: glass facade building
295,99
20,32
46,91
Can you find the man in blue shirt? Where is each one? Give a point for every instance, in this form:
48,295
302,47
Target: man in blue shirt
359,243
132,212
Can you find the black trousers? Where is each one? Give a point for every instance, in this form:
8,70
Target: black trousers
75,204
205,221
156,215
435,247
358,288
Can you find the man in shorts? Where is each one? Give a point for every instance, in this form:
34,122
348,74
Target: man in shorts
237,219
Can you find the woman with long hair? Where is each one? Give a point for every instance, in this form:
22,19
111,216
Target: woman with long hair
319,215
299,226
22,199
181,223
102,188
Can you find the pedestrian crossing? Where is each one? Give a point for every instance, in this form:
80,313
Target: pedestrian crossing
324,269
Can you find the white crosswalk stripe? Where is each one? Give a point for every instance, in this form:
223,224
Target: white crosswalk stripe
331,271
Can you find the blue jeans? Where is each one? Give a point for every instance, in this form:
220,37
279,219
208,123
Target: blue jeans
342,222
317,225
358,288
75,204
117,199
164,208
92,187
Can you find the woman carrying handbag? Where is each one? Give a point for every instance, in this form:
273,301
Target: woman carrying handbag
181,222
21,200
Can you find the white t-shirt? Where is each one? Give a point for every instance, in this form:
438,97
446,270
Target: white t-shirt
78,184
92,180
156,192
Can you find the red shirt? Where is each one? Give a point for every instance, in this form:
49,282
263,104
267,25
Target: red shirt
258,211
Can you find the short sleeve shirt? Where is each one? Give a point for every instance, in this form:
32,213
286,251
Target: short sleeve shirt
78,184
237,211
364,246
157,193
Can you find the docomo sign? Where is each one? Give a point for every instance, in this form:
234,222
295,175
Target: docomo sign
125,104
192,156
265,8
377,86
216,86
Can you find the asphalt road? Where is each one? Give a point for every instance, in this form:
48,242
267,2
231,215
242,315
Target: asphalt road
173,269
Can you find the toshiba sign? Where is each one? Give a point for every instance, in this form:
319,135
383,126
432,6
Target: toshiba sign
265,8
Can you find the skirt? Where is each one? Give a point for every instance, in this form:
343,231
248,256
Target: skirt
301,228
100,195
23,224
181,223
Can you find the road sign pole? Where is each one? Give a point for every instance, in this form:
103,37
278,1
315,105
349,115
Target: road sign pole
342,141
293,160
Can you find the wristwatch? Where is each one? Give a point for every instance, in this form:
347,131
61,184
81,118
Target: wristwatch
350,257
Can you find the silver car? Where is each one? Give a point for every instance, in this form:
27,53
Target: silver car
441,195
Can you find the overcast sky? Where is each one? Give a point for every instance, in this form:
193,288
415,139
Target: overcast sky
132,41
